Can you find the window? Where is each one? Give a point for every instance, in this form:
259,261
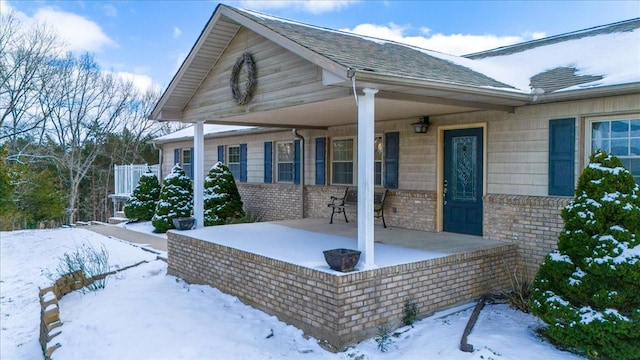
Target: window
342,162
233,161
186,163
377,156
285,161
620,137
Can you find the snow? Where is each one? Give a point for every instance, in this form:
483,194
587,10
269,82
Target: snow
614,56
145,314
209,129
275,238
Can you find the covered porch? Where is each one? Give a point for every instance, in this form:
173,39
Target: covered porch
278,267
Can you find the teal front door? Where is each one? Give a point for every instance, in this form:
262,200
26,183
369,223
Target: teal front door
463,181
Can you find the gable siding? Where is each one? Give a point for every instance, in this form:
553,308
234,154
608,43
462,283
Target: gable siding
283,79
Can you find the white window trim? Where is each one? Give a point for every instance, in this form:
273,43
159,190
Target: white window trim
228,158
381,136
587,130
355,158
277,162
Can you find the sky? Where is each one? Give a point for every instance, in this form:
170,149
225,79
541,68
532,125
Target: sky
148,40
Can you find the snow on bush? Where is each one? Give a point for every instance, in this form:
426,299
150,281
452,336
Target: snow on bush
141,205
222,202
176,200
587,291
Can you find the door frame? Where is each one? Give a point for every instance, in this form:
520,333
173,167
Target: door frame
440,167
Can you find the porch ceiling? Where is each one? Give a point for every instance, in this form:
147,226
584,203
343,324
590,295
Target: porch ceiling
343,111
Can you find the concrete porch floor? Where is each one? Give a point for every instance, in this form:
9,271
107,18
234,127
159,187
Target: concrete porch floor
442,242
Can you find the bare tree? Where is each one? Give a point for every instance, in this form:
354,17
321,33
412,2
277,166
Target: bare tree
85,105
24,53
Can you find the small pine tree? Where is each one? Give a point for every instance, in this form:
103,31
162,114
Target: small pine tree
222,201
588,290
141,205
176,200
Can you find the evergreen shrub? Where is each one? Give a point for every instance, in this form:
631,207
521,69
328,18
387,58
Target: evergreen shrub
141,205
222,202
176,200
588,290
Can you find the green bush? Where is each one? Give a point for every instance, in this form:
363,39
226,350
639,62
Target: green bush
176,200
222,202
587,291
141,205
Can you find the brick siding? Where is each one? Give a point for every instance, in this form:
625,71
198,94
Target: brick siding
340,309
533,223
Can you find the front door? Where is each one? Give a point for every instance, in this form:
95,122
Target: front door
463,181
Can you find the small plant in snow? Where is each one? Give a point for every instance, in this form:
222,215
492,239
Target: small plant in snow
176,200
222,202
87,259
410,312
383,339
518,295
141,205
587,290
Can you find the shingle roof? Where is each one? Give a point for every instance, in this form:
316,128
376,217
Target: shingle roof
370,54
622,26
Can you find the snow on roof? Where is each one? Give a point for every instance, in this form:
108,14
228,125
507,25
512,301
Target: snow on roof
602,56
209,129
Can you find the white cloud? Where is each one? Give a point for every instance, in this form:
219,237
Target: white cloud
141,82
79,33
311,6
176,32
110,10
454,44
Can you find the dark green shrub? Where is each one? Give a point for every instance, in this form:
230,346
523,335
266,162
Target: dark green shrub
141,205
222,202
588,290
176,200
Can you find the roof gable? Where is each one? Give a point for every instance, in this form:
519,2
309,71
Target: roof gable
373,55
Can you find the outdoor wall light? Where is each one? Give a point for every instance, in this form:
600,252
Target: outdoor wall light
422,126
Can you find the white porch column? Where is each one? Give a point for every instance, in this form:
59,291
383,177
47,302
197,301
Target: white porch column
198,173
366,127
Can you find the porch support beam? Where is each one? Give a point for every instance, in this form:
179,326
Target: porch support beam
198,173
366,127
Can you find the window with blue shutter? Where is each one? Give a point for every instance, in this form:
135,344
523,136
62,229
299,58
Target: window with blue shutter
321,154
176,156
296,162
221,153
391,155
243,162
268,162
562,157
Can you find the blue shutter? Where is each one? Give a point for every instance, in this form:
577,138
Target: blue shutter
176,157
268,161
221,153
321,153
243,162
193,163
562,156
296,161
391,155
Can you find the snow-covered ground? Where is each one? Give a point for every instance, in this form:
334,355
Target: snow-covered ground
145,314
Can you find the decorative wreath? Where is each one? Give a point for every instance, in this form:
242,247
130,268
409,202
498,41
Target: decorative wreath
243,97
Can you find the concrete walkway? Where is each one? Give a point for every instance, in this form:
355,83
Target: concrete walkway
154,242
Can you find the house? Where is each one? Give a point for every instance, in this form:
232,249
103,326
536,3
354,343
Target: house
490,144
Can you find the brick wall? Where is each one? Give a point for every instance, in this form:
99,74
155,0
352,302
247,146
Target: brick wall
409,209
531,222
339,308
271,201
